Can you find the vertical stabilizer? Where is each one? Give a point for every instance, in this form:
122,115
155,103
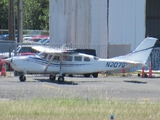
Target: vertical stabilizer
141,53
146,44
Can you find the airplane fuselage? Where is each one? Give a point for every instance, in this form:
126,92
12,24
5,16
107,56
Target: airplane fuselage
87,64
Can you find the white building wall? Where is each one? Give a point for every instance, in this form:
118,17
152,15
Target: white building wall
127,22
79,22
85,22
70,21
99,21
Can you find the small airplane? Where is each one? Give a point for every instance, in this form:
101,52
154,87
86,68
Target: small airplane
64,61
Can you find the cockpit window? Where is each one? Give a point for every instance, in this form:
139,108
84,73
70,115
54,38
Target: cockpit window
86,59
49,57
56,58
42,55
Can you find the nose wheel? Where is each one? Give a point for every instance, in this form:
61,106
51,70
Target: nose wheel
22,78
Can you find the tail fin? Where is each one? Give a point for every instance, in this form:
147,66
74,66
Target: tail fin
147,43
141,53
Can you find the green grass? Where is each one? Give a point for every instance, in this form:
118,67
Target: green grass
78,109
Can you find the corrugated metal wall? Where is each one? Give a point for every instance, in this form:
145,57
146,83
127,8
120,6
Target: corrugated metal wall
6,46
70,21
119,49
155,59
97,22
79,22
127,22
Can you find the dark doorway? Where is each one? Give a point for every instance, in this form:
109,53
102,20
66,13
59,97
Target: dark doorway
153,18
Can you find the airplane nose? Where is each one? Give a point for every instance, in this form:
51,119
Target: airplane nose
8,60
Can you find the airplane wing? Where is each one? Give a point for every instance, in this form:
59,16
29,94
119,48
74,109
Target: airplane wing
54,50
47,49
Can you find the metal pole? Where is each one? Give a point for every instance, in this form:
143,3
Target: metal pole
107,28
11,20
20,21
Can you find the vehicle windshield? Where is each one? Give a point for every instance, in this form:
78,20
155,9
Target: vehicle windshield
18,48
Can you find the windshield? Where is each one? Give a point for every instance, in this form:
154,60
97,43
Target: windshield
42,55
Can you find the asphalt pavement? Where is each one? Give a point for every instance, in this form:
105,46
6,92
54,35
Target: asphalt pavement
103,87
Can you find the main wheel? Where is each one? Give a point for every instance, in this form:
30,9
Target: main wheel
22,78
87,75
95,75
139,75
60,79
52,77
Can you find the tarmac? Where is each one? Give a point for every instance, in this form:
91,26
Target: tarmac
130,87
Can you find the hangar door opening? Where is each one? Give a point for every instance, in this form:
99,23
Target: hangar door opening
153,18
153,30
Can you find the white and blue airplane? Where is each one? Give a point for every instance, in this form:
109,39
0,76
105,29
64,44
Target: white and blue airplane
60,61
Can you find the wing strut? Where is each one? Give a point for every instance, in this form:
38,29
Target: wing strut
49,63
60,67
61,77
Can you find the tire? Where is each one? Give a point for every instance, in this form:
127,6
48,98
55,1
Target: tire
52,77
70,75
60,79
86,75
22,78
95,75
139,75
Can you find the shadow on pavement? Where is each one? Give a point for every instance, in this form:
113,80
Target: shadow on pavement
135,81
56,82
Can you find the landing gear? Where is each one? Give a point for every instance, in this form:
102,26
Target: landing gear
52,77
95,75
87,75
145,75
22,78
60,79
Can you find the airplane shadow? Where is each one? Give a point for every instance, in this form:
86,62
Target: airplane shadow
135,81
56,82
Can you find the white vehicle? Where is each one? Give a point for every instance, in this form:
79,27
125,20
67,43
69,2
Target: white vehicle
19,50
60,61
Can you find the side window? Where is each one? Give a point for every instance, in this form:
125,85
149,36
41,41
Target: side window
86,59
49,57
67,58
56,58
77,58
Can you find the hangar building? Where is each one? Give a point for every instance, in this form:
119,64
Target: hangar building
112,27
